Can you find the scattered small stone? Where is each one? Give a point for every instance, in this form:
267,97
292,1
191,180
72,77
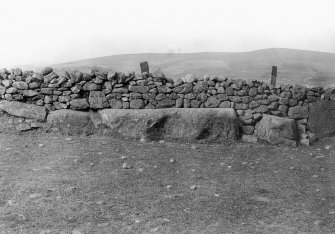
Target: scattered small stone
76,231
317,222
35,195
291,168
155,166
194,147
222,164
68,139
244,163
193,170
126,166
327,147
137,221
22,217
123,157
10,202
169,186
140,170
229,167
161,142
40,145
319,156
193,187
172,160
142,140
315,176
91,164
216,195
100,153
317,190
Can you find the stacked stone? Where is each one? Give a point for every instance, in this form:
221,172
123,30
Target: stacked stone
99,89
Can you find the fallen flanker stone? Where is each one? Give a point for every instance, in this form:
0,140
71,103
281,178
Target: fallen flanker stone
72,122
21,109
206,124
277,130
321,119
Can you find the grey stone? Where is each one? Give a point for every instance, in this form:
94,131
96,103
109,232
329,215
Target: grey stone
29,93
180,124
20,109
321,119
59,105
11,90
249,138
90,86
73,122
212,102
277,130
7,83
200,87
137,104
298,112
46,71
23,127
183,89
139,89
115,103
79,104
2,90
166,103
97,100
20,85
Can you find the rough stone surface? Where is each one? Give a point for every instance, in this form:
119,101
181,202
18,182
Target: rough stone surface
181,124
298,112
79,104
98,100
21,109
136,104
277,130
72,122
321,119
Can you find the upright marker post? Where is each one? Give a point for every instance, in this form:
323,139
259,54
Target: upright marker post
274,76
144,67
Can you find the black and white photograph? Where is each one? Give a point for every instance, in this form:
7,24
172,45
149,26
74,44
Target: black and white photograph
167,116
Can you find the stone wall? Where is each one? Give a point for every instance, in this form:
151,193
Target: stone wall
98,90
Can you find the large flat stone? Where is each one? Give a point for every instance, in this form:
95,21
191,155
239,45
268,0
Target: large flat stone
71,122
321,119
277,130
21,109
210,124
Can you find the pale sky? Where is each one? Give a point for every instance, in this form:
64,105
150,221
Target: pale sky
54,31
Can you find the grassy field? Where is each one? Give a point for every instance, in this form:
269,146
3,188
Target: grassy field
294,66
60,184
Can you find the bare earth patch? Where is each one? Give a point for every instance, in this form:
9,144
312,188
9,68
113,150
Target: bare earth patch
59,184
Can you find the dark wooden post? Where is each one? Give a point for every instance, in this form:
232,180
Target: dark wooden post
144,67
274,76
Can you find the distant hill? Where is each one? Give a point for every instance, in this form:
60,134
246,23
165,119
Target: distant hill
294,66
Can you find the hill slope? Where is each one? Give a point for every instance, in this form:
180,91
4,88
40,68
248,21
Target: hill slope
294,66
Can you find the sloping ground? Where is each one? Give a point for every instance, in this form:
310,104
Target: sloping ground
294,66
54,184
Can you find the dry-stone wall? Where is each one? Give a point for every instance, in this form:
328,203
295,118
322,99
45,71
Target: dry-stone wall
98,90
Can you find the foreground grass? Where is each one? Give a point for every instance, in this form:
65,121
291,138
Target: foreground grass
55,184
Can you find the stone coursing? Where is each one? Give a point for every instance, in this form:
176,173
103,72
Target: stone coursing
101,90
